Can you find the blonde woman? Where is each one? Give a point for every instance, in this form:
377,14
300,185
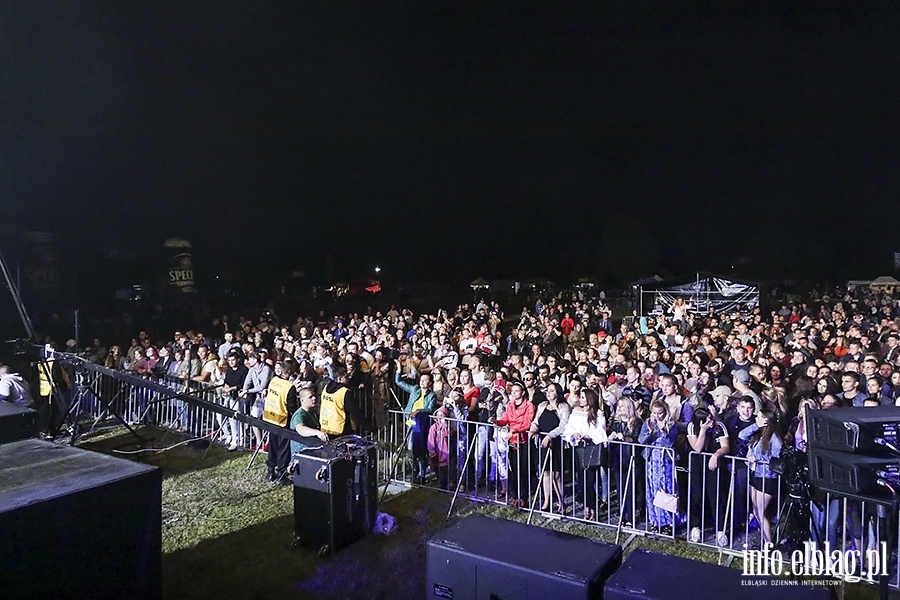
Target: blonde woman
624,430
658,433
453,378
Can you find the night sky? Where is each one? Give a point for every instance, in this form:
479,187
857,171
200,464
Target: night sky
454,140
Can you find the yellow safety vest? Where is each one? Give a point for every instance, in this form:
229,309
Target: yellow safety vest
46,374
332,414
276,401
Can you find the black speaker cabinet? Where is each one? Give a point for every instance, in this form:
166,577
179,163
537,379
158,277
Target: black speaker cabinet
486,558
845,473
16,422
78,524
335,498
647,575
854,429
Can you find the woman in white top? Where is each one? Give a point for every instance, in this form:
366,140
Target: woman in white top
587,424
679,311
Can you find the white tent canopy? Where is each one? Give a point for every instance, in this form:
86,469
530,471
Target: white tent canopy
884,281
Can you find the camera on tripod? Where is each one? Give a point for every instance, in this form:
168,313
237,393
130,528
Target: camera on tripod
793,467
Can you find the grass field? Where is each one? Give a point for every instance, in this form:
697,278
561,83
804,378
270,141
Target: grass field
227,532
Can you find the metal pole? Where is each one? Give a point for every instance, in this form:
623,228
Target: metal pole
631,498
17,299
697,287
538,486
472,444
55,393
399,455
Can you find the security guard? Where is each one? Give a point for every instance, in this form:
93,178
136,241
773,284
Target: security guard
339,410
281,403
52,408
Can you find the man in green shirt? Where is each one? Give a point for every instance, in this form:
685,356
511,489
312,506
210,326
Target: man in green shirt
305,420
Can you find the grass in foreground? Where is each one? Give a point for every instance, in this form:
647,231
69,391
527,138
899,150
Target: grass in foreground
227,532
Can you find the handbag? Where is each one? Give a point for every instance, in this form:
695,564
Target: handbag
666,501
592,455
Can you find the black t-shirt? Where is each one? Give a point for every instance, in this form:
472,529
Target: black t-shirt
235,378
739,447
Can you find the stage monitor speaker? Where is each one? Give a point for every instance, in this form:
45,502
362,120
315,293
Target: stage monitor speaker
486,558
16,422
647,575
335,497
854,429
845,473
78,524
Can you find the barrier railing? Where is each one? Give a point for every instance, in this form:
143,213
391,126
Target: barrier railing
476,459
721,512
480,460
715,506
197,408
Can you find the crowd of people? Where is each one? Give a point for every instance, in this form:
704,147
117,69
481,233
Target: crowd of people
345,364
717,393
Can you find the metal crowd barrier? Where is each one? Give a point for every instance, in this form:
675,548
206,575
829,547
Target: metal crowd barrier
621,494
479,461
476,461
195,408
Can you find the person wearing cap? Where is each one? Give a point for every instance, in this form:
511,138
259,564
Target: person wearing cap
340,331
721,396
518,418
741,381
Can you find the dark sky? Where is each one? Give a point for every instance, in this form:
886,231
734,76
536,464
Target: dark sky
453,140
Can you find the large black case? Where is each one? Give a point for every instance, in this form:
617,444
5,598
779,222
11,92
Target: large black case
854,429
647,575
16,422
846,473
486,558
335,497
78,524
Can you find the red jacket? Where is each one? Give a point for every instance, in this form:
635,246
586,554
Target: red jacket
519,419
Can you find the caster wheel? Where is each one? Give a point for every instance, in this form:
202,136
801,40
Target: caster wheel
295,543
323,551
